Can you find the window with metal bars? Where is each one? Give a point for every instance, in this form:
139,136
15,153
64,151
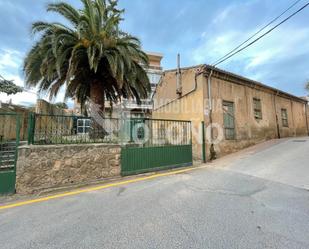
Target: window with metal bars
141,133
229,120
161,132
257,108
284,117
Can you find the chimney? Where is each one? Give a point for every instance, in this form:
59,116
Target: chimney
178,77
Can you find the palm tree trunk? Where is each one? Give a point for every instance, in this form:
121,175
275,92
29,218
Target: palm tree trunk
97,130
97,94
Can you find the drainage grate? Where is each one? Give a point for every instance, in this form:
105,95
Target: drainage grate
299,141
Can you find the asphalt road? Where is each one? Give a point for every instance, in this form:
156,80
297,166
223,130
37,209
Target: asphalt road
255,199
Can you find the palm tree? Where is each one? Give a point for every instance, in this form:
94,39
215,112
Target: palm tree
91,56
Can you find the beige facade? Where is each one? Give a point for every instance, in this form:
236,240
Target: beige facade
308,114
168,105
154,60
254,111
307,98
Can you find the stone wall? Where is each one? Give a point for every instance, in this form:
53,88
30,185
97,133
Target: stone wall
42,167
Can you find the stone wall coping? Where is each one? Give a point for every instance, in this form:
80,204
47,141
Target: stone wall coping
49,166
36,146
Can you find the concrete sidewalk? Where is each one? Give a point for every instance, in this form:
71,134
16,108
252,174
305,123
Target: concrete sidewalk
281,160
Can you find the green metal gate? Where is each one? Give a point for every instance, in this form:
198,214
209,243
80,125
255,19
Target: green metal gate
156,144
9,141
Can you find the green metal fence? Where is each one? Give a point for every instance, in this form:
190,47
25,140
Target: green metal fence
147,159
9,141
146,132
147,144
156,144
62,129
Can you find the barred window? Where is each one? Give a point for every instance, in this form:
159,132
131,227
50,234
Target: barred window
229,120
161,132
141,133
257,108
284,117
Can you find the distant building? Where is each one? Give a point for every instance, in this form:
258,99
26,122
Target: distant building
243,112
7,124
44,107
154,72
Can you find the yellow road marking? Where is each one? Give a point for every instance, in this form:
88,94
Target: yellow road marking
115,184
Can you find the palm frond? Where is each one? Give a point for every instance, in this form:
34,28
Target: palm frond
65,10
91,51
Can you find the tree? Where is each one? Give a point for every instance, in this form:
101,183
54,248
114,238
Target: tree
8,86
90,55
307,86
61,105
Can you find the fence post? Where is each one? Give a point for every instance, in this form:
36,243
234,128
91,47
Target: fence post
31,128
18,125
203,142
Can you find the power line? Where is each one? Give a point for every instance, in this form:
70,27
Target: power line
260,37
259,31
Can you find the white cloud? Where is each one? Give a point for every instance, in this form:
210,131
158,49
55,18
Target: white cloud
222,16
10,59
10,64
15,78
24,98
19,98
181,13
213,47
228,12
277,46
269,60
260,58
29,97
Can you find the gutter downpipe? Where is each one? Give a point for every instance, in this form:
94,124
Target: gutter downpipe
306,116
178,77
277,121
183,95
194,88
209,95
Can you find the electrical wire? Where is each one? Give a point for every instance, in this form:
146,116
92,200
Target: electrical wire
232,53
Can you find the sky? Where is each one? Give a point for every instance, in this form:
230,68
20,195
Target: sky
201,31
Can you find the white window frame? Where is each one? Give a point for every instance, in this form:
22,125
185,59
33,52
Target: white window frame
83,125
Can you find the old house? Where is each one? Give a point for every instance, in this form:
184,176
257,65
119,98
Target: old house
241,111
